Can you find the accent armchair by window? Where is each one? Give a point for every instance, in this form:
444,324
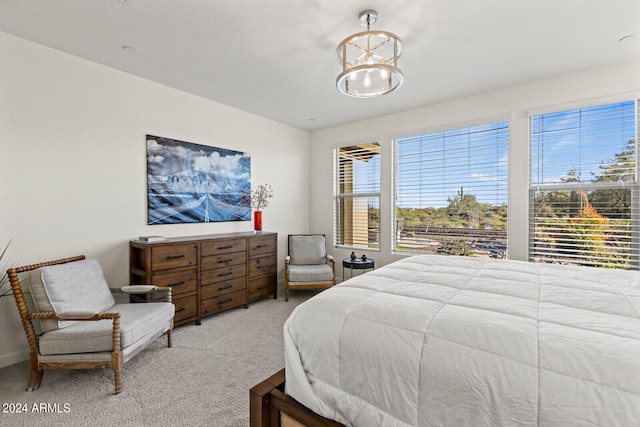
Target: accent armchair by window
72,321
307,265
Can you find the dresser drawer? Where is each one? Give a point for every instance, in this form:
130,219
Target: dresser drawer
262,265
215,289
186,309
221,274
262,286
223,246
223,302
262,245
180,282
166,257
223,260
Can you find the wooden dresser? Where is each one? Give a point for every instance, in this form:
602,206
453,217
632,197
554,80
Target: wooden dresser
210,273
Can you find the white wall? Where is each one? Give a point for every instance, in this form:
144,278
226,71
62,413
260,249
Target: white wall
73,163
606,84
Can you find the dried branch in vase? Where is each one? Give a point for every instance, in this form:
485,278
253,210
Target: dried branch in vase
261,196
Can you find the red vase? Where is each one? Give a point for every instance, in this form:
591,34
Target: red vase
257,221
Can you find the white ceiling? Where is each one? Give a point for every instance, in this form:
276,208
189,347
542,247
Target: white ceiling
276,58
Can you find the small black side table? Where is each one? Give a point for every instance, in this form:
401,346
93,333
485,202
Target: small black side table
357,264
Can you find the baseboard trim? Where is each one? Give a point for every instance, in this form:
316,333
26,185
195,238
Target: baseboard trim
13,358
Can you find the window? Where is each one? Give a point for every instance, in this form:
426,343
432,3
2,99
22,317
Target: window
584,188
357,196
451,192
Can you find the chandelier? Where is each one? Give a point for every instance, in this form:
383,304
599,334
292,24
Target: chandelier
369,61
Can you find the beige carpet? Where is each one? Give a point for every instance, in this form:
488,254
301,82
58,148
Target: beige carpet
203,380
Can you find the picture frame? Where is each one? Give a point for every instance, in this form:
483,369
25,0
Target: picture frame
194,183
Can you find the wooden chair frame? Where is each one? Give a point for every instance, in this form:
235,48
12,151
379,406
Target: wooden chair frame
37,367
306,285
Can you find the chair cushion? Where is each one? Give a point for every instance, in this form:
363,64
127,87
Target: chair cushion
74,286
136,322
305,250
310,273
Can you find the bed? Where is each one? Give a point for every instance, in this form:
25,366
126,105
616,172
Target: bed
455,341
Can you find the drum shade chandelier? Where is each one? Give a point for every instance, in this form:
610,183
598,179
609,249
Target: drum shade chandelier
369,61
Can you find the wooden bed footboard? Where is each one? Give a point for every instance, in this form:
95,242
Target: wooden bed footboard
270,407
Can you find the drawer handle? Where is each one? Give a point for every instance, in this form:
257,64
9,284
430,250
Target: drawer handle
262,267
262,287
176,256
226,247
225,301
225,274
171,285
225,261
182,309
225,287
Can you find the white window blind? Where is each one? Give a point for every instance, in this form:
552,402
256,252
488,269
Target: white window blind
584,189
451,192
357,196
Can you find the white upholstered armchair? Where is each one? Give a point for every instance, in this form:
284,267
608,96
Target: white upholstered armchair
307,265
72,321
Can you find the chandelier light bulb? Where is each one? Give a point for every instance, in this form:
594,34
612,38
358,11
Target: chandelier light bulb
384,74
367,80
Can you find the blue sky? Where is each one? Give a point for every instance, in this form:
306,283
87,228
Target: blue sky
433,167
580,139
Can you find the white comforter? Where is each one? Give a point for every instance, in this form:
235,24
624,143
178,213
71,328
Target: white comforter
452,341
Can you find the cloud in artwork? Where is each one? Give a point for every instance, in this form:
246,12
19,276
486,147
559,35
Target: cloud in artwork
177,152
180,167
153,147
155,152
222,166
